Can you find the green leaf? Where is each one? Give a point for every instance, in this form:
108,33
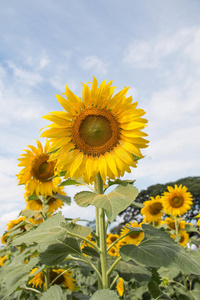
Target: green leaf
158,252
113,203
32,197
74,228
69,182
77,296
129,270
137,205
48,231
104,294
190,228
63,198
56,253
16,274
119,181
53,293
90,251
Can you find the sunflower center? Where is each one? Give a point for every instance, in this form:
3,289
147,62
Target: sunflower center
41,169
95,131
113,238
155,208
181,239
176,202
134,235
53,275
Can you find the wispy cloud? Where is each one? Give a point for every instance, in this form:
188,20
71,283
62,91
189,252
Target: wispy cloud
94,64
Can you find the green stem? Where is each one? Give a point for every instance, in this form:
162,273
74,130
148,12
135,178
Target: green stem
82,238
98,244
47,279
107,223
102,233
114,280
185,282
114,265
94,267
176,226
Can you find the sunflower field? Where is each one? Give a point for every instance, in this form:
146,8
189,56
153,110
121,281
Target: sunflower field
91,143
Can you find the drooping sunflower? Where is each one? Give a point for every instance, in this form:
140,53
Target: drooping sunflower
152,209
133,238
13,223
38,171
177,200
99,133
120,287
51,201
65,279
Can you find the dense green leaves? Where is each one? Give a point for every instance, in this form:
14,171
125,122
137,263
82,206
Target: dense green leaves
160,250
105,294
113,203
53,230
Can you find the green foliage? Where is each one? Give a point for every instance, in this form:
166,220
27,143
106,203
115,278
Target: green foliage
157,251
104,294
113,202
131,269
53,293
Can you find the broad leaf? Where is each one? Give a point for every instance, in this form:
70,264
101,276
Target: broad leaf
104,294
56,253
129,270
53,293
71,227
65,199
113,203
78,296
90,251
158,252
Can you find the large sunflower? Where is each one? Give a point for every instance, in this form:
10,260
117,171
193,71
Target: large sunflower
177,200
98,133
152,209
64,280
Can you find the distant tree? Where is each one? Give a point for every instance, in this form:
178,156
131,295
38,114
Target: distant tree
193,185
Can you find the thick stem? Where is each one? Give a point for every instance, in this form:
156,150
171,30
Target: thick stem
185,282
98,244
102,235
103,254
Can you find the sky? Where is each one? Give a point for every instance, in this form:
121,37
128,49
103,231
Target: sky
151,46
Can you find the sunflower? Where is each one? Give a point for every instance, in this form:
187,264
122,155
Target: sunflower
111,238
13,223
38,170
2,260
152,209
51,201
85,244
171,224
184,237
65,279
99,133
120,286
134,238
177,200
113,252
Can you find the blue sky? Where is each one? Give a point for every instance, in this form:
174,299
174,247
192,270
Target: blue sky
151,46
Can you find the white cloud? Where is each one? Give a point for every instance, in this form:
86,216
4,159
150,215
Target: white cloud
149,54
94,64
